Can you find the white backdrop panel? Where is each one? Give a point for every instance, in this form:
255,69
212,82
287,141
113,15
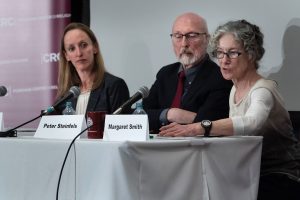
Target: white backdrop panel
135,42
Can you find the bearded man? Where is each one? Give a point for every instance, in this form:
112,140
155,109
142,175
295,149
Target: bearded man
193,88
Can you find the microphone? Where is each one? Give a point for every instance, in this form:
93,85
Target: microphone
72,93
143,92
3,91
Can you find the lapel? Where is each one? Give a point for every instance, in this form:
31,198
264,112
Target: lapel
95,97
171,84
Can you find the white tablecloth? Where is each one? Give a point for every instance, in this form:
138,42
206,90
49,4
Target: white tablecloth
29,169
204,168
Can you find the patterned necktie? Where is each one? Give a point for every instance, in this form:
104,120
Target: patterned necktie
177,99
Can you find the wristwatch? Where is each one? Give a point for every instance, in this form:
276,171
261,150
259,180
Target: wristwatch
206,124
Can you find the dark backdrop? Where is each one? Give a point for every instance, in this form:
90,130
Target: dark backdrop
80,11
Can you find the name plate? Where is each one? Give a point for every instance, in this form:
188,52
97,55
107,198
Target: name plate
1,122
126,128
61,126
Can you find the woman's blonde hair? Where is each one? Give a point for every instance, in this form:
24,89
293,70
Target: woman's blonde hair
67,74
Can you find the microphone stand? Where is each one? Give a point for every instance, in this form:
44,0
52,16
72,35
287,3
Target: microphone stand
13,132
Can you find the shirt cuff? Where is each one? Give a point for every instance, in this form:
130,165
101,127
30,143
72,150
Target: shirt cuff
163,117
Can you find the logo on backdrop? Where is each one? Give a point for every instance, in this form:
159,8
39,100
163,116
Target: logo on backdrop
6,22
49,57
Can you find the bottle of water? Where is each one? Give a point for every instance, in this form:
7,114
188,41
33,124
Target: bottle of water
139,109
69,109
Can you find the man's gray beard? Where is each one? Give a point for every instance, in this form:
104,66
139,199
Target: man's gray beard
188,60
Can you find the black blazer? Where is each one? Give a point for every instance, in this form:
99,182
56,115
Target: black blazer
208,95
111,94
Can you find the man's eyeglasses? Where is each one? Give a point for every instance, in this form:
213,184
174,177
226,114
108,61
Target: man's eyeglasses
192,36
229,54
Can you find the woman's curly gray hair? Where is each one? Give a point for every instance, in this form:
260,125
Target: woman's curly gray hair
247,34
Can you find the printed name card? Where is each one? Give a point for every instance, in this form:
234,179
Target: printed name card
61,126
1,122
126,128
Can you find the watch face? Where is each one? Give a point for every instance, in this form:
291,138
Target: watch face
206,123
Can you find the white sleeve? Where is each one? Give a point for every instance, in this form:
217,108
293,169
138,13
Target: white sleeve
261,104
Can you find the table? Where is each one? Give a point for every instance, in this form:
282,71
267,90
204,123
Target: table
163,169
29,169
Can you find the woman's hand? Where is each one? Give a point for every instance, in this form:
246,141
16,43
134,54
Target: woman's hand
179,130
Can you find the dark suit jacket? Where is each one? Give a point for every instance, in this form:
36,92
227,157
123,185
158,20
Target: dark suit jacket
111,94
208,95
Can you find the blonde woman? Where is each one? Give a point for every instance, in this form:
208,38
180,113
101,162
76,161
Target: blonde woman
81,64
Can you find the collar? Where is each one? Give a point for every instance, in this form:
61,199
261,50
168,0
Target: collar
191,72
